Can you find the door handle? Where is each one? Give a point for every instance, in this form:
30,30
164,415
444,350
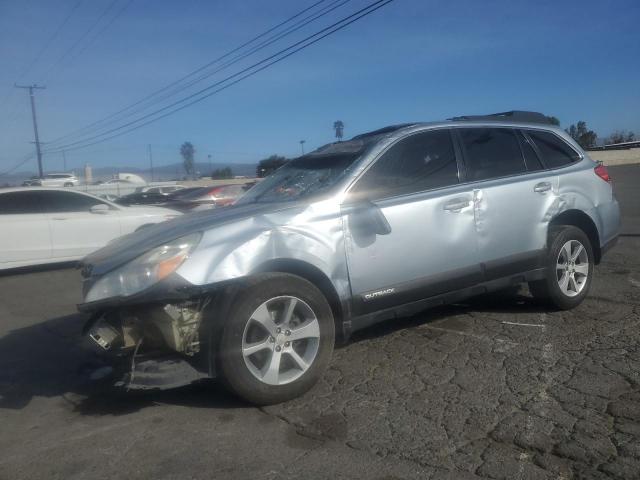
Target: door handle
456,204
542,187
58,218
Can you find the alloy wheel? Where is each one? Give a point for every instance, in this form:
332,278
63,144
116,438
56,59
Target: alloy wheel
572,268
280,340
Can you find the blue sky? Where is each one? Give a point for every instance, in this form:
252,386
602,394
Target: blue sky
412,60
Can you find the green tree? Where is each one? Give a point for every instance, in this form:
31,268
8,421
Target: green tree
581,134
620,136
222,173
269,165
188,154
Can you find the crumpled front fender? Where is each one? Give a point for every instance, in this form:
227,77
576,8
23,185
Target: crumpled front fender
312,235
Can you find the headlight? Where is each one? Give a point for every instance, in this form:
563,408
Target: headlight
144,271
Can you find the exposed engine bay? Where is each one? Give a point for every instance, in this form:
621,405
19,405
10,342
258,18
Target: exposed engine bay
161,342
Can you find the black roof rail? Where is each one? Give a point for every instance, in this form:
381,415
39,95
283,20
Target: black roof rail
512,116
380,131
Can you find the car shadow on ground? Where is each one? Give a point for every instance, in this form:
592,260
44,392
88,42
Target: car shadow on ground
53,359
515,300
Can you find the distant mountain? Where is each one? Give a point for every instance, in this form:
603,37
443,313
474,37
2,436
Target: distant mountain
173,171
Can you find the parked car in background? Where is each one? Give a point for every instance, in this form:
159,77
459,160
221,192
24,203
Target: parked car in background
150,195
56,180
205,198
33,181
47,225
383,225
164,189
114,181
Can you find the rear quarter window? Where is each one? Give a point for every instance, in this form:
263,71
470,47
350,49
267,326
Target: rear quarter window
59,202
555,152
18,203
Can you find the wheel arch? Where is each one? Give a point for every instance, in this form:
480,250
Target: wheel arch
318,278
584,222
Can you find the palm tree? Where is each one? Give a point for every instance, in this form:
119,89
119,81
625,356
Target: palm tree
187,151
338,126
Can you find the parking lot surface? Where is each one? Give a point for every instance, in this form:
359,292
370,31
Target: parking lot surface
498,387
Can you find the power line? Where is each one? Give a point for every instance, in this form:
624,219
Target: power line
112,119
51,39
69,50
37,58
89,43
243,74
189,75
358,15
18,165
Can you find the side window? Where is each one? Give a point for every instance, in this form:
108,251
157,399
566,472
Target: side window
554,151
420,162
530,155
154,190
58,202
491,153
18,203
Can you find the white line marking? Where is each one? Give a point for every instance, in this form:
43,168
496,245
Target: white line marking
484,338
525,324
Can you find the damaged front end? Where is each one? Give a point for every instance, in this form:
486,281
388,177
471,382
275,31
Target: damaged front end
156,346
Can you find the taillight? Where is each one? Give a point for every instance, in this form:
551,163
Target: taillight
603,173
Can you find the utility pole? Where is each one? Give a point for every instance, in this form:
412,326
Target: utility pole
150,160
31,88
302,142
210,166
64,161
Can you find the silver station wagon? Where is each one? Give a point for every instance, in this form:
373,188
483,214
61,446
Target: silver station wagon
386,224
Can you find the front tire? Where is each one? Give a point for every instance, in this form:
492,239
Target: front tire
277,340
569,265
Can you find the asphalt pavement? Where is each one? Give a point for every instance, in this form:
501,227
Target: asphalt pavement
498,387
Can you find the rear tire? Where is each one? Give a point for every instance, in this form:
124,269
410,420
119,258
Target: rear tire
569,265
277,339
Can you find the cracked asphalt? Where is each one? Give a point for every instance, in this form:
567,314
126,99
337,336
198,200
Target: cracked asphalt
498,387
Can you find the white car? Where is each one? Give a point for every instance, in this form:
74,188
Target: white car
48,225
58,180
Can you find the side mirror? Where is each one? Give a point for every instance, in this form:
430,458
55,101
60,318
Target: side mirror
367,217
100,209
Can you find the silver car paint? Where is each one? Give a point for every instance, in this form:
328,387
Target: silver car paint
503,216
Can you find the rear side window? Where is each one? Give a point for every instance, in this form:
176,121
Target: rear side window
555,152
420,162
17,203
58,202
530,155
491,153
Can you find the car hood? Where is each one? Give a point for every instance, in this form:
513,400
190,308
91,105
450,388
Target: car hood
128,247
